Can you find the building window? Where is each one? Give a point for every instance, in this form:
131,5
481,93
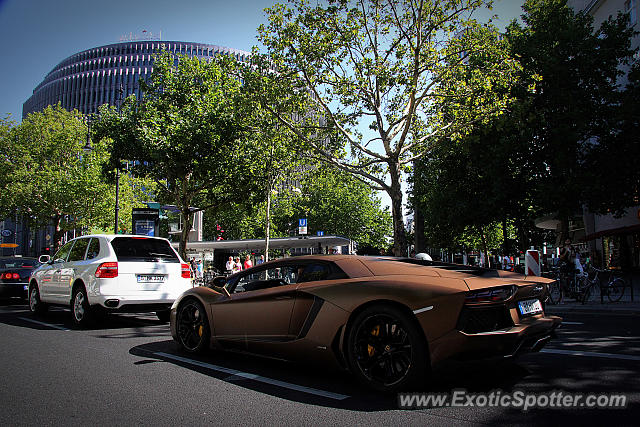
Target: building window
630,8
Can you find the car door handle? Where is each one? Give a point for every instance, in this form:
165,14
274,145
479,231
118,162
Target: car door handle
282,297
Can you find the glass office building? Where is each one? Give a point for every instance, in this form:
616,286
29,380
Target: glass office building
93,77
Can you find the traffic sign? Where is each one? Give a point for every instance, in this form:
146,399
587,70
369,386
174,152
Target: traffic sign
8,245
6,232
302,226
320,233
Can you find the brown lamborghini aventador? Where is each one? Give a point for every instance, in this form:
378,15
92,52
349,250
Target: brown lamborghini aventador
387,320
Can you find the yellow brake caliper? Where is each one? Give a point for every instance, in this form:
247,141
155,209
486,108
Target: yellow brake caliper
375,332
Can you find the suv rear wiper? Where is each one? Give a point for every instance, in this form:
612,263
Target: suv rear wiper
153,254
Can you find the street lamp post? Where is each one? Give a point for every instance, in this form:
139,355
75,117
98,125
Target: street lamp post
115,227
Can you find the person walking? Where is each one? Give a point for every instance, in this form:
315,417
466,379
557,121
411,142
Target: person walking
229,265
237,265
199,268
247,263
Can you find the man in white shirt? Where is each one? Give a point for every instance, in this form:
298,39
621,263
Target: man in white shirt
230,264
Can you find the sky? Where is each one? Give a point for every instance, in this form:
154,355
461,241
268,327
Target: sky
38,34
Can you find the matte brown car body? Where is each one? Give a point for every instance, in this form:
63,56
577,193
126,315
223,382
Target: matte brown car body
424,306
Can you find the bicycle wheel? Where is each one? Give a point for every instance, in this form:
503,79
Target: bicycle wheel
554,292
615,289
590,292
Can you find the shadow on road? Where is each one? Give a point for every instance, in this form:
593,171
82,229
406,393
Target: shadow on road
476,376
16,313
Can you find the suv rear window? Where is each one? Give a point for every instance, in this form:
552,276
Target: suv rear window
143,249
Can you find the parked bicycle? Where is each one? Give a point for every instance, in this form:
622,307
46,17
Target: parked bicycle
569,284
600,283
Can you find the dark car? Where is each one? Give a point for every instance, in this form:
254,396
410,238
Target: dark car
387,320
14,276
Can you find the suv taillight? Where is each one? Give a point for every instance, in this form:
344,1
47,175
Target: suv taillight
107,270
186,272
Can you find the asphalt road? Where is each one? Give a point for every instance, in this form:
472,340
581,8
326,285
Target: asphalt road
129,371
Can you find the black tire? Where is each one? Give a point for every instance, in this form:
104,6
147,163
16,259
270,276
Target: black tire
386,350
192,327
82,313
163,315
555,293
588,293
35,304
615,289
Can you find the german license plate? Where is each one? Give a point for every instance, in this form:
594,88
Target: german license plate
530,306
150,278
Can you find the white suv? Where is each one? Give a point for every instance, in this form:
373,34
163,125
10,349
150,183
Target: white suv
110,272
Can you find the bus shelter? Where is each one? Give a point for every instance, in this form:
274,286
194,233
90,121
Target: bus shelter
214,254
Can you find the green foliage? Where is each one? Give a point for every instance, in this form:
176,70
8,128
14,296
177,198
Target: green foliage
377,74
541,157
189,134
331,200
47,177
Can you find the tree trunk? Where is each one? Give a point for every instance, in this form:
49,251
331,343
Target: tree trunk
395,193
57,234
418,230
484,246
184,235
504,236
267,227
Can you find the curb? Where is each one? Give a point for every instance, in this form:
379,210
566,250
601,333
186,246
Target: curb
612,308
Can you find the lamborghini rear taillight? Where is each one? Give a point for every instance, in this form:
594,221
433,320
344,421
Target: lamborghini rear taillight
490,295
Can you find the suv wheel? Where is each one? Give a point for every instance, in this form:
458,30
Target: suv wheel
80,308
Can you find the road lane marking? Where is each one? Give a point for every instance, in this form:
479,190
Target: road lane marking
239,374
591,354
572,323
62,328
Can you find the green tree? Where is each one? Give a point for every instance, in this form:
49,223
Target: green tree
613,160
337,203
188,135
372,77
542,157
50,179
574,71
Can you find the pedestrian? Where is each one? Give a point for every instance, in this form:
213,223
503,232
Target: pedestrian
261,260
247,262
199,267
505,262
230,265
567,264
237,265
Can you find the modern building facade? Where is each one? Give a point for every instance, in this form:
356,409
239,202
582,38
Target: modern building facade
93,77
85,81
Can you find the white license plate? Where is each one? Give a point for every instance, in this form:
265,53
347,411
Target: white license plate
150,278
530,306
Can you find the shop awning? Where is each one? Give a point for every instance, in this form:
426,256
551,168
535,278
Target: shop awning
613,232
259,244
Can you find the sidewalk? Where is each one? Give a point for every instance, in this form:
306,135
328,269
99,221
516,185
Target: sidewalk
622,307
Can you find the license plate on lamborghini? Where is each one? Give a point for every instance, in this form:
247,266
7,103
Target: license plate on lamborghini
530,306
150,278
